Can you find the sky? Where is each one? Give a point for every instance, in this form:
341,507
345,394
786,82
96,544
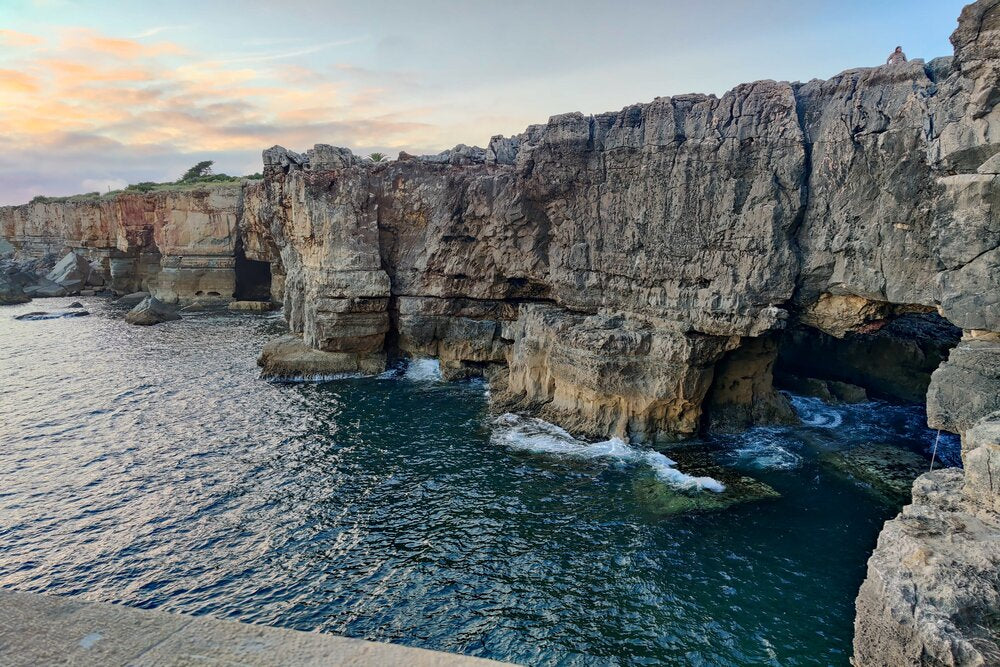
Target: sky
97,94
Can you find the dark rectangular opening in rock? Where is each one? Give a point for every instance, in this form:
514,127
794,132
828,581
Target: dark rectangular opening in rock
253,278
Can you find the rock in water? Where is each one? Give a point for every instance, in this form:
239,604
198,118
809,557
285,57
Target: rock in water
289,358
151,311
886,469
43,315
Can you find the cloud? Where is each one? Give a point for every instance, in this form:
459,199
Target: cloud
102,184
294,53
152,32
19,39
87,110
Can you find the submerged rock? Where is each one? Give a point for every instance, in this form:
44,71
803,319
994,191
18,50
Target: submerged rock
289,358
151,311
886,469
44,315
665,500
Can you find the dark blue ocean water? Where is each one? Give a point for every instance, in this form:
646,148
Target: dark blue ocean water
151,467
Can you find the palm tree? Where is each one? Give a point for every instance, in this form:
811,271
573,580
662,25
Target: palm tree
377,157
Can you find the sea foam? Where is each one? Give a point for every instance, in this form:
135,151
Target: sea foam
539,436
423,370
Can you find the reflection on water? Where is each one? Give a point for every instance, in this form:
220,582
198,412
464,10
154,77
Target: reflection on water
150,466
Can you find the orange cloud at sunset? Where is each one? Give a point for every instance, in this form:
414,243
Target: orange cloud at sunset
137,98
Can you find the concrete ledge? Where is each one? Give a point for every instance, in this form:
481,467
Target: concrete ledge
44,630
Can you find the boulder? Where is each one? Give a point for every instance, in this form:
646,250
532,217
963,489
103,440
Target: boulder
44,287
151,311
11,292
132,299
72,271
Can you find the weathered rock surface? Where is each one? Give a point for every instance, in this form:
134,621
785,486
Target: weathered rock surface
151,311
289,358
621,274
932,595
177,244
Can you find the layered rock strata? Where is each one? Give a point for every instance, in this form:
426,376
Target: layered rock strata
178,245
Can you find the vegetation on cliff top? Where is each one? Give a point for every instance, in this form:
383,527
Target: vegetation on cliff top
198,175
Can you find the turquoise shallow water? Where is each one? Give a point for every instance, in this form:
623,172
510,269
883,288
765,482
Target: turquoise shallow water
152,467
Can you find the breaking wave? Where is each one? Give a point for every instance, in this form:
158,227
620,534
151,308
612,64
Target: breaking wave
539,436
423,370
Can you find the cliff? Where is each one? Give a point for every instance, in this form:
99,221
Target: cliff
631,273
178,244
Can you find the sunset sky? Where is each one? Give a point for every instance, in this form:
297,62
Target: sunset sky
96,94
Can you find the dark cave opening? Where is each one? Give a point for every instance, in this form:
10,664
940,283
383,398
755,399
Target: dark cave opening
253,278
893,362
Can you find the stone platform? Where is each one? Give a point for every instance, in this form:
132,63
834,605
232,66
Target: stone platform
44,630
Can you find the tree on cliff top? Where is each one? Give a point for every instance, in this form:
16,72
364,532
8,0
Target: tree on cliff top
203,168
377,157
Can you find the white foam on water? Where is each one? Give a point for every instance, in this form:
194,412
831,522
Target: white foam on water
814,412
539,436
423,370
762,448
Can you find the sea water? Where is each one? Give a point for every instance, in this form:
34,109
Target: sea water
151,466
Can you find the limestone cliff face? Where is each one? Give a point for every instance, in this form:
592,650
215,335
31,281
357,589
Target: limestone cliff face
697,224
177,244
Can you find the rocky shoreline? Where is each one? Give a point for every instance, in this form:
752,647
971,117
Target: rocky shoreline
645,274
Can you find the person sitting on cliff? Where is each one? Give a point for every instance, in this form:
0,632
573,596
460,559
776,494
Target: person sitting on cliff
897,57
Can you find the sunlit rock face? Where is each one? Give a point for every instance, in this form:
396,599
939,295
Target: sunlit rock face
177,245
